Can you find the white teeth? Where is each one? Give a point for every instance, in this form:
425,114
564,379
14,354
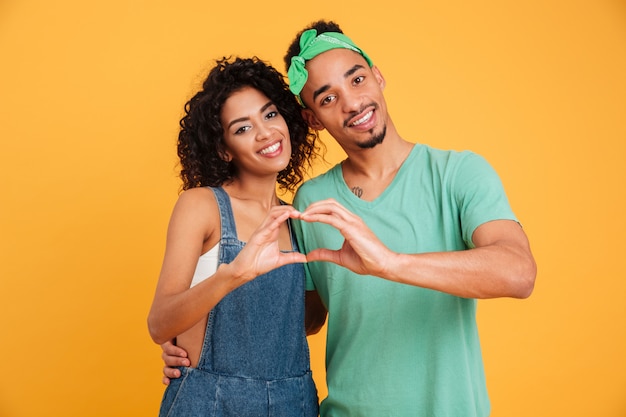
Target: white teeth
363,119
270,149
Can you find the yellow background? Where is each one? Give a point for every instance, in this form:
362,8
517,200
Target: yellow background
90,97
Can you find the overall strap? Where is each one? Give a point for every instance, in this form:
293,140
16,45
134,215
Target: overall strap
292,235
226,213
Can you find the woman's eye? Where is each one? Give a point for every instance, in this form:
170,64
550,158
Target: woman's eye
242,130
271,114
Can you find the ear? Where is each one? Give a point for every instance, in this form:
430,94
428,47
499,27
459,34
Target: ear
379,77
312,120
225,156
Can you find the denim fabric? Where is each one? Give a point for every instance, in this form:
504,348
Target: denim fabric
255,356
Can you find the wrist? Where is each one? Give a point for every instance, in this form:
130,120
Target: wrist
231,276
393,267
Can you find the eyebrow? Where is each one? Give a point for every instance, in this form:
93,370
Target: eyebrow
346,74
243,119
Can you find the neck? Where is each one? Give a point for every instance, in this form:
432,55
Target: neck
368,172
379,161
261,191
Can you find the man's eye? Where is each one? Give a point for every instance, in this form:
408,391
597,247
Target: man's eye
327,99
359,79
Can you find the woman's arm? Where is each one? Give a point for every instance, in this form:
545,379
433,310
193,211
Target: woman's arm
176,307
195,220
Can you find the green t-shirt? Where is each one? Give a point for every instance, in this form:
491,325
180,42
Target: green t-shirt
395,349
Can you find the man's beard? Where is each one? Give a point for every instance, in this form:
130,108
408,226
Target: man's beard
374,140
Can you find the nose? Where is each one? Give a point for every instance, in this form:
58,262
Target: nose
352,101
263,132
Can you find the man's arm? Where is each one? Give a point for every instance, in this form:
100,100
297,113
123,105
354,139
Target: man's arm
500,265
173,356
314,314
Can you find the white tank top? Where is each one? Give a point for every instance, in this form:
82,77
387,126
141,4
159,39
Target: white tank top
206,266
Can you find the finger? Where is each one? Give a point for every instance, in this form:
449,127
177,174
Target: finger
323,254
274,220
172,373
171,360
170,349
166,380
266,233
282,209
291,258
277,217
328,208
328,201
335,219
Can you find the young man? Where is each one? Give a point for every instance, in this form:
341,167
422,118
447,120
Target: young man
401,239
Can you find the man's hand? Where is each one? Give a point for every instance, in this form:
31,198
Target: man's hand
362,252
173,356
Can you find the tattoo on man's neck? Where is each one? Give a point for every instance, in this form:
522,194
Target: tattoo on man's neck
358,191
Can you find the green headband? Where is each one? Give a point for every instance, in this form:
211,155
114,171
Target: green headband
311,45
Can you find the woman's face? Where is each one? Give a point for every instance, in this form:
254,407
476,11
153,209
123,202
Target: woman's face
255,134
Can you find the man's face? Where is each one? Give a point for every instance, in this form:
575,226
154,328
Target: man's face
344,96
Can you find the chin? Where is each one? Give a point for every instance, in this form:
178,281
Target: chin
375,140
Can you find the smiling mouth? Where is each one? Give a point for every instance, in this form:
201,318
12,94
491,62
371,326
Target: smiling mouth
270,149
363,119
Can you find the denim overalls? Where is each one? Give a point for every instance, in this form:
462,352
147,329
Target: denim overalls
255,356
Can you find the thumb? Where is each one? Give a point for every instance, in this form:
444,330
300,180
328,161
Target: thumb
323,254
292,258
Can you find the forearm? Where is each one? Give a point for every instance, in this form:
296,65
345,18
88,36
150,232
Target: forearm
485,272
173,314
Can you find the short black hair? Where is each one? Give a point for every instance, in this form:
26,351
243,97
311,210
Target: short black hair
322,26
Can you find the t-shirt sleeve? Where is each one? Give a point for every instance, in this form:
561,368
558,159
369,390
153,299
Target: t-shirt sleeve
479,194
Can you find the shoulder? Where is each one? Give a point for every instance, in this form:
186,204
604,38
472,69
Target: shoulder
193,198
438,155
193,228
196,206
321,184
454,162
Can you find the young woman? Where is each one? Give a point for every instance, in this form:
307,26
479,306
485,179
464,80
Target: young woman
231,288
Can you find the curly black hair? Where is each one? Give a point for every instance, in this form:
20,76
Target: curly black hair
201,137
321,26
